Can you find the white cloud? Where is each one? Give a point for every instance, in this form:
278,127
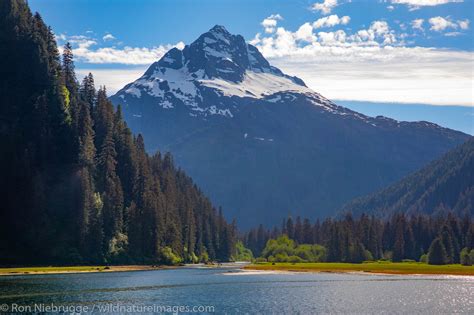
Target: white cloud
332,38
371,65
325,7
417,24
85,50
127,55
452,34
330,21
284,42
256,40
439,24
464,24
379,27
385,74
416,4
305,33
108,37
270,22
61,37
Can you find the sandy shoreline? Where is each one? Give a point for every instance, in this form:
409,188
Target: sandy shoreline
39,270
251,271
80,269
387,271
244,267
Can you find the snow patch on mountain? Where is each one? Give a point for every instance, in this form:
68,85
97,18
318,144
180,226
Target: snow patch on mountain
255,85
134,91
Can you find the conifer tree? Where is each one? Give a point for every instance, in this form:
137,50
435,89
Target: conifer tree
399,245
298,231
88,92
261,238
68,72
290,229
437,253
307,232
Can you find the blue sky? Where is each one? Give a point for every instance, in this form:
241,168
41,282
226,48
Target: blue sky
147,23
385,51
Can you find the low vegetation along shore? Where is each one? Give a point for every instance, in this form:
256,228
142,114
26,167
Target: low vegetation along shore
382,267
75,269
404,268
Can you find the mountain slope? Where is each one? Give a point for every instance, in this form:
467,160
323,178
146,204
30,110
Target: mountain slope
260,142
444,184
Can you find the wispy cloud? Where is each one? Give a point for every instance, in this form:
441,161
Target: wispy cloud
416,4
86,50
370,64
417,24
405,75
108,37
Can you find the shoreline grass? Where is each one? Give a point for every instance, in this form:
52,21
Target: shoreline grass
75,269
381,267
403,268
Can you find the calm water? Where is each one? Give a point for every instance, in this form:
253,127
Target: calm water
229,290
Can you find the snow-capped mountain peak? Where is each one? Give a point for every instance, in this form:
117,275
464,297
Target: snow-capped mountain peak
212,75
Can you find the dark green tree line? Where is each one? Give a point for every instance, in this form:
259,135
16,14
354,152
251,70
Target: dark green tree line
402,237
76,185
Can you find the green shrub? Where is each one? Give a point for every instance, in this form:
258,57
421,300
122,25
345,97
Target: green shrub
387,256
281,257
311,253
117,248
261,260
242,253
282,245
424,258
204,257
167,257
192,258
465,257
278,250
368,256
357,253
408,261
295,259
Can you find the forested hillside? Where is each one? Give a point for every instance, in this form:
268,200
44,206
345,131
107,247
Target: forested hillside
446,184
76,186
427,214
355,240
